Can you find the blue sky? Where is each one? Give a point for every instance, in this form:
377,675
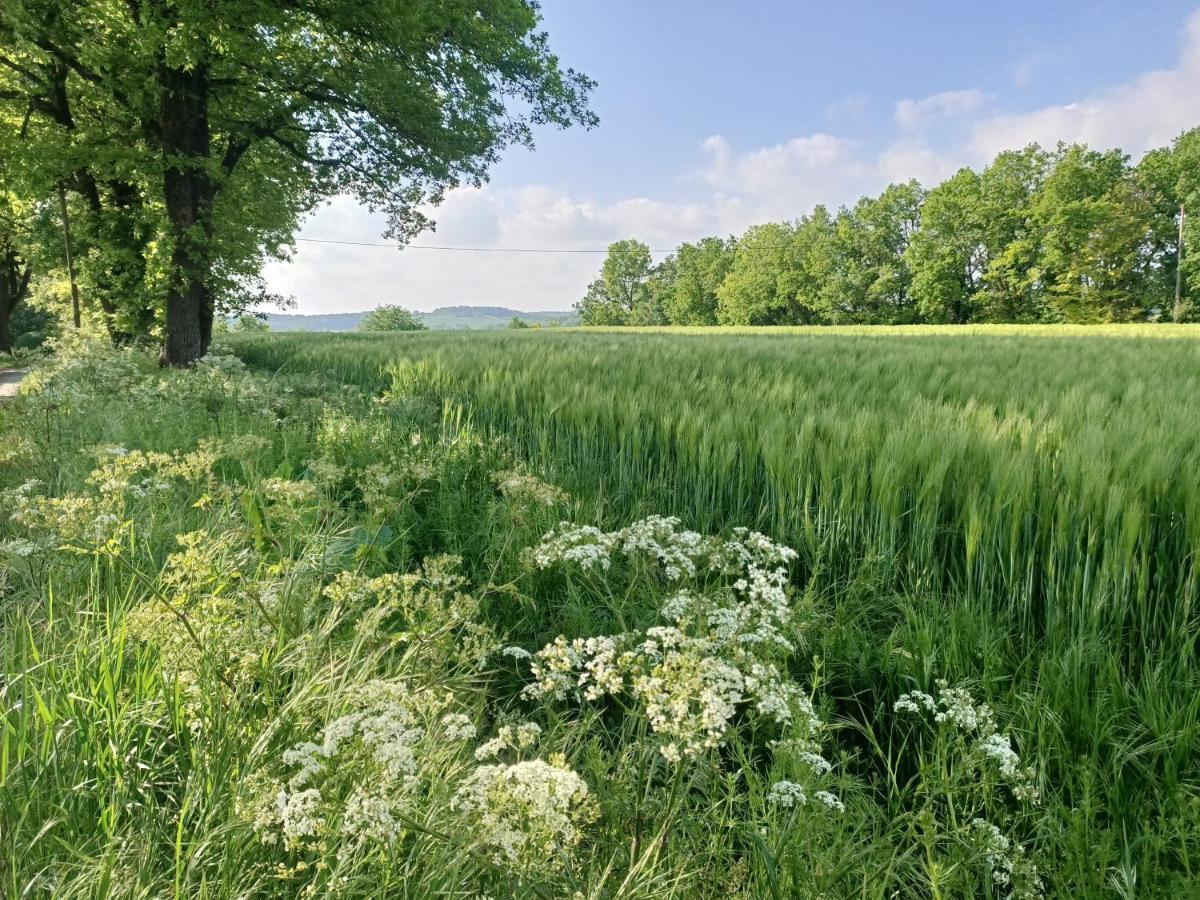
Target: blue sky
715,116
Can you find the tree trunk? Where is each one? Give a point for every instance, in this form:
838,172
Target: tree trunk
5,310
14,284
188,192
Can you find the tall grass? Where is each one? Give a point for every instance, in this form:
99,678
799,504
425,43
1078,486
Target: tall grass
1018,506
269,633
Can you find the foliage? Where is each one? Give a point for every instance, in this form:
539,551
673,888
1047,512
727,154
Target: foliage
16,268
619,296
390,317
1004,507
763,286
197,134
1066,235
699,270
251,323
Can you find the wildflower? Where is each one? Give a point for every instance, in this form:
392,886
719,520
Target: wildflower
458,727
509,737
915,702
371,752
20,548
787,794
830,800
691,697
288,493
528,491
975,724
298,815
528,814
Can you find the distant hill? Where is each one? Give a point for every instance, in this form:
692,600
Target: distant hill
447,318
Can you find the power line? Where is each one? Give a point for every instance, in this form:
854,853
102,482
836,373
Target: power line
762,248
457,249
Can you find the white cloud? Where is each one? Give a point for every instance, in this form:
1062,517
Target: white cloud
913,115
1145,113
724,191
907,159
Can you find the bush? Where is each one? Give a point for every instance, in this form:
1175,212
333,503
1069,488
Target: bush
390,317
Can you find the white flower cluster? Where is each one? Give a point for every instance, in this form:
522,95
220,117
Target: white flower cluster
975,724
690,696
430,605
458,727
369,756
517,737
1008,863
529,491
680,553
752,609
712,658
527,814
789,794
585,667
688,687
287,492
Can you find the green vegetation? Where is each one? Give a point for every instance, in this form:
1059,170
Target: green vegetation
191,137
390,317
251,323
445,318
352,631
1009,507
1068,235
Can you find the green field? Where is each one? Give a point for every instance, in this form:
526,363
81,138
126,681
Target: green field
1016,506
283,647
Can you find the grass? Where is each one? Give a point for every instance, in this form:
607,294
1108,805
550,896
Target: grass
346,538
1013,505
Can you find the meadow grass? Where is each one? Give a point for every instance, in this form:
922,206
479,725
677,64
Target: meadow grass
341,625
1016,506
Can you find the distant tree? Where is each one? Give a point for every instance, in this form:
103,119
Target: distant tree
390,317
516,323
699,269
870,282
659,289
1093,227
948,256
765,284
248,322
971,257
618,296
1170,178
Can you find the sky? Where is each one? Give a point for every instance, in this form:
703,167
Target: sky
715,116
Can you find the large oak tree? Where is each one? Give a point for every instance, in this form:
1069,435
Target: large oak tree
231,118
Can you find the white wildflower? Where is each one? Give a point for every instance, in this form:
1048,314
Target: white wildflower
787,794
458,727
529,813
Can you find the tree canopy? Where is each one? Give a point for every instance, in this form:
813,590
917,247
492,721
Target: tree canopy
390,317
1063,235
194,134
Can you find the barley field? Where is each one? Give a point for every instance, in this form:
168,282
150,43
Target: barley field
594,614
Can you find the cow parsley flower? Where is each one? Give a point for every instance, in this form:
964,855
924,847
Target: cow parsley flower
362,770
458,727
975,724
528,491
527,814
787,794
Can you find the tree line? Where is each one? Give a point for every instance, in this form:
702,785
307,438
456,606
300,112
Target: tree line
183,140
1063,235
